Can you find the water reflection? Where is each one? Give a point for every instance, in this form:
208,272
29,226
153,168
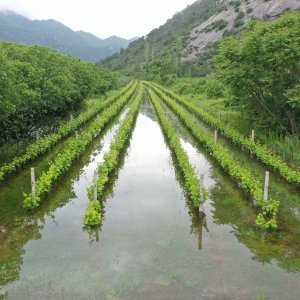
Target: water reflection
153,243
18,227
94,233
232,207
281,246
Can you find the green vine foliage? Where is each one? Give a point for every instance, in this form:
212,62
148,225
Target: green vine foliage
37,82
261,152
191,181
267,216
72,150
93,215
46,143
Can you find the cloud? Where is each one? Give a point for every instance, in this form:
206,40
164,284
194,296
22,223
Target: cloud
12,6
101,17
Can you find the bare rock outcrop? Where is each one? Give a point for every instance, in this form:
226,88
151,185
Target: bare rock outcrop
233,16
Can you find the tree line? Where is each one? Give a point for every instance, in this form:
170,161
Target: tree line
37,81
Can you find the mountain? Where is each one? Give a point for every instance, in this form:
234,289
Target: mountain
186,43
232,18
53,34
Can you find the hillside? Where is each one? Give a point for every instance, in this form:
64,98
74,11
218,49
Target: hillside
185,44
232,17
53,34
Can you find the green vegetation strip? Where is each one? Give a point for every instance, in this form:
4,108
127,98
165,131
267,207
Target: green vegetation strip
192,183
93,214
73,149
261,152
42,145
266,218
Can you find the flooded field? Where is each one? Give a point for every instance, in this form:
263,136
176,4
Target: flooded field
153,243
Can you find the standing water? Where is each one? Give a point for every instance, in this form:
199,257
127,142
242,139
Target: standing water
152,244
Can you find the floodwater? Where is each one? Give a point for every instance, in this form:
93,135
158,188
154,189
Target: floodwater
152,244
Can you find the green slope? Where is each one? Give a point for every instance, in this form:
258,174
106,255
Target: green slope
161,48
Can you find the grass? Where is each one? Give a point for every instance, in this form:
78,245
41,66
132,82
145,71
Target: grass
286,146
194,90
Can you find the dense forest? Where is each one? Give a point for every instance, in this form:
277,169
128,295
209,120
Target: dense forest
38,82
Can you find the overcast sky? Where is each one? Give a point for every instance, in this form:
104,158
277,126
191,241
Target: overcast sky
124,18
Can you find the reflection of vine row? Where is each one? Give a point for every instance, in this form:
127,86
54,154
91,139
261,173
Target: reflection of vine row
261,152
267,218
94,231
192,184
42,145
32,223
73,149
197,218
93,215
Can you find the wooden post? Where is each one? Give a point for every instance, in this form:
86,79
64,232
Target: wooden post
202,186
32,182
97,234
95,185
252,135
200,236
266,187
71,117
201,208
216,136
37,135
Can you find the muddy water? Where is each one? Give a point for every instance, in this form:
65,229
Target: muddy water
152,243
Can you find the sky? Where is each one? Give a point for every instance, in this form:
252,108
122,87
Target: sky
103,18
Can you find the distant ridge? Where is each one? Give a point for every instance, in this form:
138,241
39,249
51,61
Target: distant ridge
186,43
53,34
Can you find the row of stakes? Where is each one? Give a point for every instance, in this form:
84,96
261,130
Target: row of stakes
267,173
202,185
33,172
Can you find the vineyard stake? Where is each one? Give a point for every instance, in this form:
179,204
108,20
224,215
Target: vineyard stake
216,136
200,237
32,182
37,135
266,187
71,117
252,135
201,208
95,184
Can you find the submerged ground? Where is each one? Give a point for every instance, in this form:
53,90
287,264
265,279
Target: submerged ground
152,244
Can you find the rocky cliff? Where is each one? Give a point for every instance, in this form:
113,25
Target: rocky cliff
231,18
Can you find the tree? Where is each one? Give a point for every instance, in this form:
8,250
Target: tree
261,67
38,81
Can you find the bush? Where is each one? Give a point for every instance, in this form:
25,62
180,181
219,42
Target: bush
238,23
214,88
